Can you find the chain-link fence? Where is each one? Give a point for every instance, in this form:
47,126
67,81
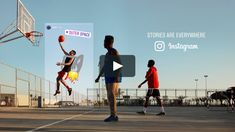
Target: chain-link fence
170,97
21,88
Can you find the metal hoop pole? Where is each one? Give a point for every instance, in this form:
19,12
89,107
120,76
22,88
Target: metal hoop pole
11,39
7,34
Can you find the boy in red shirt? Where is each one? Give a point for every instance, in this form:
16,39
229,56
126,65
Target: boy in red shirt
153,85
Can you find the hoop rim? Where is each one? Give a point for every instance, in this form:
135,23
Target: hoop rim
34,33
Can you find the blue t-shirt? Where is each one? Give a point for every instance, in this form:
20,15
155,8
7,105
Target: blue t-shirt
116,79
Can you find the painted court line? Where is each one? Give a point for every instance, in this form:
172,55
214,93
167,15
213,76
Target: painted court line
51,124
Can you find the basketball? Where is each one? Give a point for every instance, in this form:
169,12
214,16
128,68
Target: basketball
61,38
27,35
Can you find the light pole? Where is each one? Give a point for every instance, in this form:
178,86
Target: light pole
98,91
196,80
102,91
206,82
206,89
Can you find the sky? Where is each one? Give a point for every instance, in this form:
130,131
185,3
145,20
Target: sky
129,21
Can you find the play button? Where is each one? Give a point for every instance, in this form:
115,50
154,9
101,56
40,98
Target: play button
113,66
116,66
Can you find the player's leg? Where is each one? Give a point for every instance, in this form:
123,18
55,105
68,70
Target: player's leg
159,101
108,95
57,85
115,93
111,94
148,95
67,86
146,104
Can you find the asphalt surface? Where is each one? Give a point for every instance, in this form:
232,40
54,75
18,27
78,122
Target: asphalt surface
90,119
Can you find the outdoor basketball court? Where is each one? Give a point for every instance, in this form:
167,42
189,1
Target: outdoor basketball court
91,119
23,28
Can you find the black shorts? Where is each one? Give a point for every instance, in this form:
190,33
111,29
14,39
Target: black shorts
153,92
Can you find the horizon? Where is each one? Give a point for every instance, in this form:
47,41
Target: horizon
131,27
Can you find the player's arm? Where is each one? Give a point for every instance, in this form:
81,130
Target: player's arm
142,83
100,74
118,57
65,64
119,74
148,74
101,71
62,48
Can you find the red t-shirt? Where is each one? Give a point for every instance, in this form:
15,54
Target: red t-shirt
152,78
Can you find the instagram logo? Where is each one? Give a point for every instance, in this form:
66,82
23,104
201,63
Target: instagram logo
159,46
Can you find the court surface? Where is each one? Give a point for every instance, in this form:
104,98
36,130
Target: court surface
87,119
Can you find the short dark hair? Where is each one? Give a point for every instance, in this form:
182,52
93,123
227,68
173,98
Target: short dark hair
109,39
73,52
151,62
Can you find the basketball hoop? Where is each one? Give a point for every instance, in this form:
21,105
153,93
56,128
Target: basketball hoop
24,24
35,36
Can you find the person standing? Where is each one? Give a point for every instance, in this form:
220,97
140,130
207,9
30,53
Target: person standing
111,82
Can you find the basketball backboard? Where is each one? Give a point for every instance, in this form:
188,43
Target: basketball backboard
25,22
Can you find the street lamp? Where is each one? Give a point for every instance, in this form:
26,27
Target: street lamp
206,81
206,88
196,80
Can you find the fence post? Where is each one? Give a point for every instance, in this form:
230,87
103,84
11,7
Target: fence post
78,96
98,96
175,93
136,93
232,99
73,97
30,100
0,93
50,93
207,100
126,91
87,97
16,92
61,96
165,92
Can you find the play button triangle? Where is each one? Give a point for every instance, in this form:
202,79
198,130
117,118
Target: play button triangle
116,66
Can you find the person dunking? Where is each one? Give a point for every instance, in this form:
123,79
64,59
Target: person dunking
66,69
